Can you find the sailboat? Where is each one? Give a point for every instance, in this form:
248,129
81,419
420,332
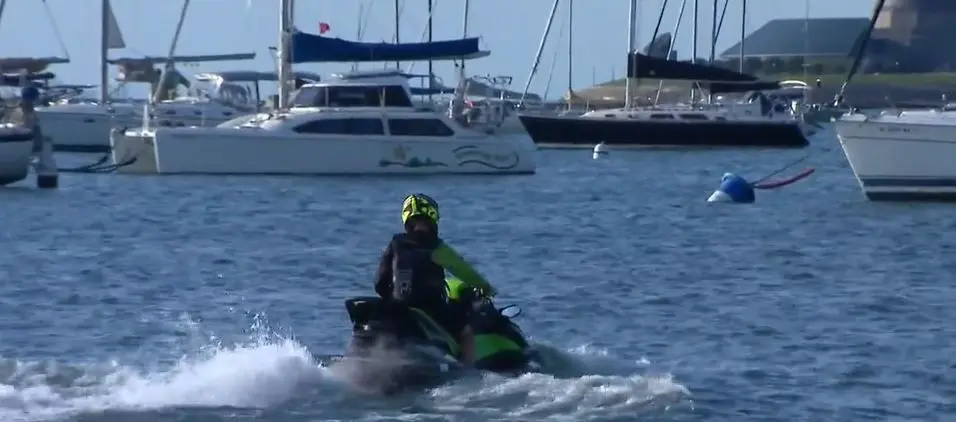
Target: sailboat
899,156
355,123
758,123
17,128
85,126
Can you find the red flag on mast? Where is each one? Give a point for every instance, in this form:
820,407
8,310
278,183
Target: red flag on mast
324,27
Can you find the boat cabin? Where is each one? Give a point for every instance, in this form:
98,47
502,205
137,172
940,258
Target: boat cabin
357,89
363,122
241,88
418,126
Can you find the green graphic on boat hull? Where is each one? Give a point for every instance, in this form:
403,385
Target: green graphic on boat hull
412,163
471,154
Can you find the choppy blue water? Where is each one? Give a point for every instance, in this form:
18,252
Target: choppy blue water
202,299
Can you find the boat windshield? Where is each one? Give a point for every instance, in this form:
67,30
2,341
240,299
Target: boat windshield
237,94
352,96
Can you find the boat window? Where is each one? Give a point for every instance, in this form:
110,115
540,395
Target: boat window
307,96
661,116
419,127
693,116
351,96
354,126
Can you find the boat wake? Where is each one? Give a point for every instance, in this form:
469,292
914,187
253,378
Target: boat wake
283,376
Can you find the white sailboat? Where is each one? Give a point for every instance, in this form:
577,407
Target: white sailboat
899,156
85,126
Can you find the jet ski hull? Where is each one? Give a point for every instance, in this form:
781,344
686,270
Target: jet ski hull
417,346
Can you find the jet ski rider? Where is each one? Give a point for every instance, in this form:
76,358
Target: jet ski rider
412,271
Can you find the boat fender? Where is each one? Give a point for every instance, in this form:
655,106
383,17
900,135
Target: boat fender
733,189
600,151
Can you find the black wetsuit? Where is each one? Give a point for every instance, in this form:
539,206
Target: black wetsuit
407,274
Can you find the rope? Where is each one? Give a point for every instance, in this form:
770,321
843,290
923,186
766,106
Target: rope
56,29
99,166
782,169
781,183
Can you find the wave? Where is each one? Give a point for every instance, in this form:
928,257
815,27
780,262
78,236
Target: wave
281,374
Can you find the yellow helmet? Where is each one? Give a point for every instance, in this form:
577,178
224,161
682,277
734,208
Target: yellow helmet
419,204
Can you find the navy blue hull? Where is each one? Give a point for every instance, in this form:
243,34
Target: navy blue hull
572,130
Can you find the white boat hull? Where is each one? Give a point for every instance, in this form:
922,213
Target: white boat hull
86,127
895,160
78,132
16,151
249,151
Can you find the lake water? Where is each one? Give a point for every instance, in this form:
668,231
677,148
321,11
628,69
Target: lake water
206,298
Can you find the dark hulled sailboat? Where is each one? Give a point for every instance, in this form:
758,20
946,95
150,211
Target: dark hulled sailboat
758,122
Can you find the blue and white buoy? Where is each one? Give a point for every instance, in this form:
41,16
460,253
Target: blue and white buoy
733,189
600,151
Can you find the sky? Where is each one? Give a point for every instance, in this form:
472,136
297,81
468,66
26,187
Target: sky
510,29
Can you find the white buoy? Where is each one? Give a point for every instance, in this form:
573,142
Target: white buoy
600,150
719,196
47,173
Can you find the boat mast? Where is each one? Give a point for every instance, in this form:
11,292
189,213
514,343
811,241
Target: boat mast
464,31
104,51
670,48
537,57
168,66
631,41
861,50
398,17
285,29
570,51
693,53
431,63
713,45
714,34
743,35
806,47
457,104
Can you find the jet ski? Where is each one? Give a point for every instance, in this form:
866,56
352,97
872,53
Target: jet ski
410,346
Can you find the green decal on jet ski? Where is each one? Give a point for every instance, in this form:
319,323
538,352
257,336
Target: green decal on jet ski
433,330
487,345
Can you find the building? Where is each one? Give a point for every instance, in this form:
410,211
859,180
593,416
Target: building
906,39
911,35
786,45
